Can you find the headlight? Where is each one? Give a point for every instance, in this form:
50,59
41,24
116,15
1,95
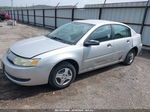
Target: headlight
25,62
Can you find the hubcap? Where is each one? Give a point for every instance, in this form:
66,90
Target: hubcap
131,57
63,76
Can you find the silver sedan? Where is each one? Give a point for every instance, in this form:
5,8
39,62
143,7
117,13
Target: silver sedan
72,49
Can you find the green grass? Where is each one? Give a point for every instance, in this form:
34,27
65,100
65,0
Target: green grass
5,8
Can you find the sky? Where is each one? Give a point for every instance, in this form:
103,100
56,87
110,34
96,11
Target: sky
81,3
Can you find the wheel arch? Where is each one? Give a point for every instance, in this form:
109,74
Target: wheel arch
135,49
71,61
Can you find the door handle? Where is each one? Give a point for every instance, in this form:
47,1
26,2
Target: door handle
128,41
109,45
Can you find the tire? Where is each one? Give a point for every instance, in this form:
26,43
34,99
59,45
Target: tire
129,58
2,17
62,75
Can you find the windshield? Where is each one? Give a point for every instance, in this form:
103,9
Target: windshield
70,33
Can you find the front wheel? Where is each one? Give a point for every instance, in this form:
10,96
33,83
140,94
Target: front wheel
129,58
62,75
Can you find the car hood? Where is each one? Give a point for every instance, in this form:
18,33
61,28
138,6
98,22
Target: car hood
32,47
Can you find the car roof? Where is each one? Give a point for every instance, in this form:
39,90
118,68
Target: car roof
98,22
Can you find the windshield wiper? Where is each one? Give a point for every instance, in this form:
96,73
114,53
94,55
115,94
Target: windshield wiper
59,39
56,38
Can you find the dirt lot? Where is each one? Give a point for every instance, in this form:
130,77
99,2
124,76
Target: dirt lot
113,87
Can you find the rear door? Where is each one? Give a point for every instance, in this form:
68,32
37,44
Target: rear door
121,40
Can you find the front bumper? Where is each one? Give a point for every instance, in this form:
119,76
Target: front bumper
27,76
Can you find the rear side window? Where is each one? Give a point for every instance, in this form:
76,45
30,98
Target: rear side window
121,31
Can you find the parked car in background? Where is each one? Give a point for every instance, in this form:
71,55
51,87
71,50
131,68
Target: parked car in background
72,49
4,16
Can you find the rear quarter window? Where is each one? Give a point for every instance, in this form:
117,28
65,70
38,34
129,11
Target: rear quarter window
120,31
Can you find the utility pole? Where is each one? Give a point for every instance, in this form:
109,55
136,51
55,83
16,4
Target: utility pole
12,9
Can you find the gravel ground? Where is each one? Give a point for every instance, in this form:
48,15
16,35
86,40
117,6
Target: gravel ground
113,87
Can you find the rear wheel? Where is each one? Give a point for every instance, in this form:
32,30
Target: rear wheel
129,58
62,75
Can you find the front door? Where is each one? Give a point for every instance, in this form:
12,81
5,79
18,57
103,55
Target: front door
98,55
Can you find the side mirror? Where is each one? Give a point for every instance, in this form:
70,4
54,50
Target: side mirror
91,43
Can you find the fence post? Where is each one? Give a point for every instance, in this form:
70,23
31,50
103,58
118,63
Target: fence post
100,10
43,17
100,13
28,15
14,14
17,15
8,12
22,16
72,18
55,17
144,17
11,14
34,17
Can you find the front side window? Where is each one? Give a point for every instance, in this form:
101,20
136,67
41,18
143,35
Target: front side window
71,32
121,31
101,34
